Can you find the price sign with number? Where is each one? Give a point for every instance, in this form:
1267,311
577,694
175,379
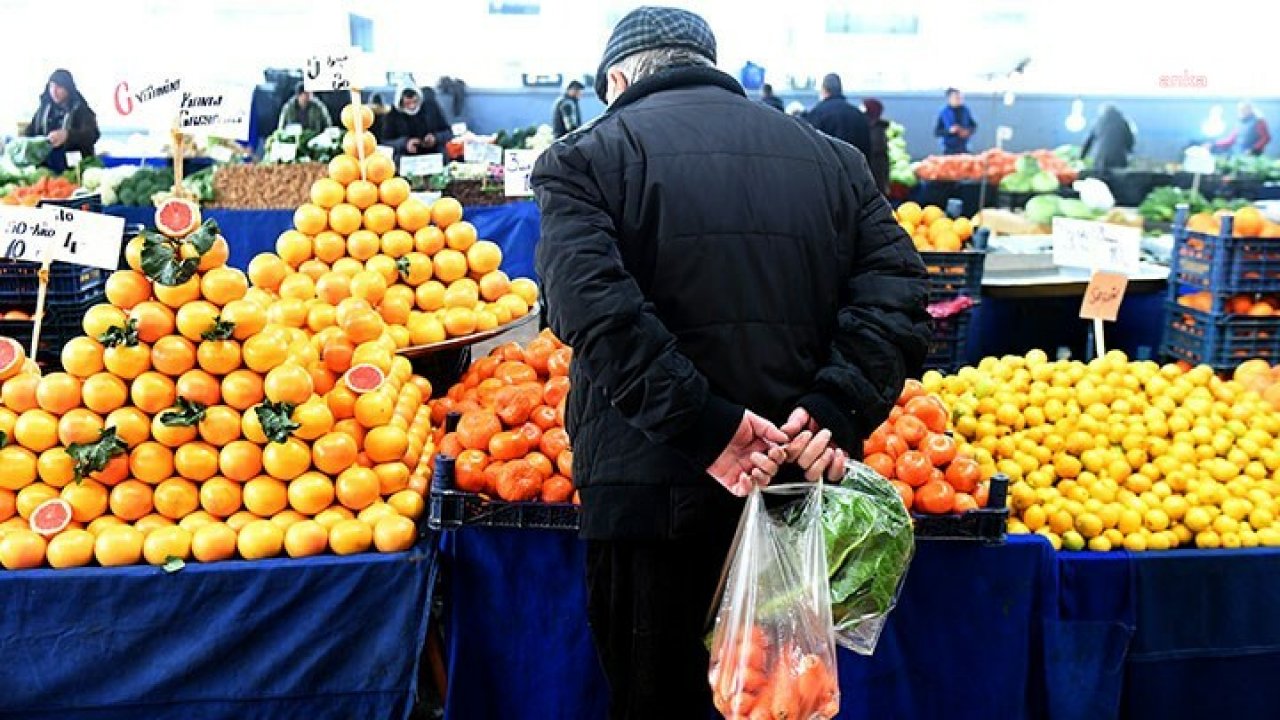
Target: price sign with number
422,165
517,169
73,236
1103,296
327,71
1096,246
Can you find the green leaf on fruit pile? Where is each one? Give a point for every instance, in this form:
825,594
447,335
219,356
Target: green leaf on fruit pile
402,265
162,257
4,438
116,335
276,419
93,457
173,564
204,237
187,413
221,330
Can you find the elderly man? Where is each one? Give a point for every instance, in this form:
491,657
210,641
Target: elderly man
720,269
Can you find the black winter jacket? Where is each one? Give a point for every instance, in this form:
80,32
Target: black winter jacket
837,118
703,254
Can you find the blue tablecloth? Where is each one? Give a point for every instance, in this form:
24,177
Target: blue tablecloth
323,637
1007,632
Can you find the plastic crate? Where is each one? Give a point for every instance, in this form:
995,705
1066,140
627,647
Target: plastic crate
89,203
985,525
452,509
68,284
1219,341
949,341
955,273
1221,264
61,324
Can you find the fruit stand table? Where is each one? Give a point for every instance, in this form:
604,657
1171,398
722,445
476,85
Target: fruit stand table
321,637
1011,631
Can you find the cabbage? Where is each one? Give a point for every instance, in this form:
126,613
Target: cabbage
1041,209
1074,208
1044,182
1015,183
1027,165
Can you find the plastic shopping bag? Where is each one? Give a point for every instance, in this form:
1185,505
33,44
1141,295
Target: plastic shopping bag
773,655
869,543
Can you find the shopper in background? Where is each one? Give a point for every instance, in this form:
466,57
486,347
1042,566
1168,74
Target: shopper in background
878,158
834,115
417,125
1250,137
1111,139
768,98
566,116
718,269
65,119
305,111
955,124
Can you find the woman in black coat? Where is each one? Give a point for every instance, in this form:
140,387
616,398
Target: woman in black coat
1111,139
65,118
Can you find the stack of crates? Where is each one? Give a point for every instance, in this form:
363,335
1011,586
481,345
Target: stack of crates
1205,272
952,274
73,289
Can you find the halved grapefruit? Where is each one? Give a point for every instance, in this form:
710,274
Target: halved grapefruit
12,358
364,378
51,517
177,217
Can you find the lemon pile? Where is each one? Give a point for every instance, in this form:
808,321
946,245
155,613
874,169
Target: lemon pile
1116,454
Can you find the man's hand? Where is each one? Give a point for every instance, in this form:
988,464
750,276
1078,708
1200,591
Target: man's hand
429,140
955,130
752,456
811,448
412,145
58,138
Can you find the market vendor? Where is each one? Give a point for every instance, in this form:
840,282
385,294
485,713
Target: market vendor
1111,140
417,125
1250,137
65,119
737,293
566,116
305,111
955,124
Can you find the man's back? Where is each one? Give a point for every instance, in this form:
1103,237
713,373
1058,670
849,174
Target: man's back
836,117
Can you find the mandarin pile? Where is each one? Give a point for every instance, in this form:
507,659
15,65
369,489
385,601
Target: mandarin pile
930,228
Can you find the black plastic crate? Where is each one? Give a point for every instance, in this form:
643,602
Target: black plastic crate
88,203
985,525
452,509
61,324
949,341
1219,341
955,273
68,283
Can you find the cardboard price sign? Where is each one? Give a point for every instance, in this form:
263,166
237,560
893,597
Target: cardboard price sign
214,112
326,72
478,152
422,165
1096,246
73,236
150,102
517,170
1103,296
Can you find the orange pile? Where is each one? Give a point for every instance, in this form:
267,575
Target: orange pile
510,441
1247,222
930,228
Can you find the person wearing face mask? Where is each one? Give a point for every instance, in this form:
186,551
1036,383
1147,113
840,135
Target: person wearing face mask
742,307
65,119
417,125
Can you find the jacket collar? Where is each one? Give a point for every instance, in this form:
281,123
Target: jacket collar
673,78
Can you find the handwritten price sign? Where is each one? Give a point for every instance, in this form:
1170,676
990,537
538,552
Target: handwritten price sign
1103,296
73,236
1096,246
324,72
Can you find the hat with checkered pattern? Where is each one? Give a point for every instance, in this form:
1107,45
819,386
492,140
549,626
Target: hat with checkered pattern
648,28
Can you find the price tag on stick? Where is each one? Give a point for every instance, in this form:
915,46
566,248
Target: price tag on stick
326,71
1101,303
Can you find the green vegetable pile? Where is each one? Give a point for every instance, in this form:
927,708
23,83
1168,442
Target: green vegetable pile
1029,177
1042,209
137,189
28,151
1259,167
900,171
1160,205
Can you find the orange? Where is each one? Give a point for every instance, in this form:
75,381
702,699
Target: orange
240,460
332,288
384,265
352,306
288,383
154,521
21,549
394,534
220,425
362,193
329,246
199,386
220,497
195,319
310,219
151,462
213,542
171,435
133,252
126,361
460,321
321,316
287,518
446,211
154,320
88,499
131,500
173,355
375,512
344,169
196,461
70,548
381,218
394,191
19,392
240,519
166,542
395,312
176,498
98,525
175,296
374,409
79,425
386,444
223,285
100,318
260,538
310,493
407,503
415,268
378,168
55,468
152,392
131,424
31,497
348,537
265,496
82,356
218,357
342,401
429,240
216,256
331,516
357,488
526,289
263,352
412,215
1249,222
326,192
119,545
363,244
314,419
287,460
126,288
267,270
242,389
305,538
296,286
514,304
345,218
366,147
449,265
58,392
251,427
462,294
350,118
460,236
483,256
313,268
392,477
35,430
425,329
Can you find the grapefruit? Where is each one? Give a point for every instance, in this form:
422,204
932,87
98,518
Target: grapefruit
177,217
51,517
12,358
364,378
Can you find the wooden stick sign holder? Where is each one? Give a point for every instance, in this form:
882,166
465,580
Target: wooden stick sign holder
1101,303
357,115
